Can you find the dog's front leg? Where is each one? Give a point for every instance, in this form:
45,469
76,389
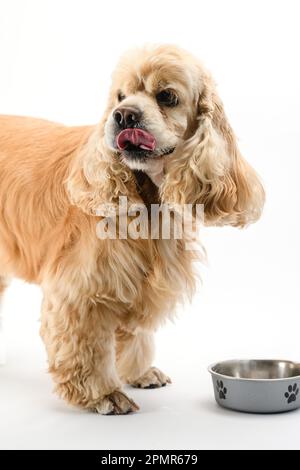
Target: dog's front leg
135,353
79,338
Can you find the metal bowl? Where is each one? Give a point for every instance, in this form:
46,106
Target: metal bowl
257,386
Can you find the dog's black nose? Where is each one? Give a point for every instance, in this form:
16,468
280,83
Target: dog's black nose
127,117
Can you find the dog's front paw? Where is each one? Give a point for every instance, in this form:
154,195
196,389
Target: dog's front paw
116,403
153,378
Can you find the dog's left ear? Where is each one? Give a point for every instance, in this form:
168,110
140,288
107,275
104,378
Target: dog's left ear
207,168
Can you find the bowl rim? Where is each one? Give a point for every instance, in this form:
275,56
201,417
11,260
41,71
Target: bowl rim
243,379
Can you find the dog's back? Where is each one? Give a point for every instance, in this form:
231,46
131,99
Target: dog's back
35,156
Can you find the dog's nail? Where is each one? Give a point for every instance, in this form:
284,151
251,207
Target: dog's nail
151,386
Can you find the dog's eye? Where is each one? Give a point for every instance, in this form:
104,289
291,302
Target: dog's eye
121,96
167,98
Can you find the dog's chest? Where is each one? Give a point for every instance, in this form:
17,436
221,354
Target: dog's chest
144,275
145,272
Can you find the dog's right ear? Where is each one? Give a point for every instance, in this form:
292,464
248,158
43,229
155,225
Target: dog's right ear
97,178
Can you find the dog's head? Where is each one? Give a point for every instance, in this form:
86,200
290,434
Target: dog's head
151,106
165,118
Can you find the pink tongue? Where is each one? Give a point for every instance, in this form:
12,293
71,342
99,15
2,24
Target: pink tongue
137,137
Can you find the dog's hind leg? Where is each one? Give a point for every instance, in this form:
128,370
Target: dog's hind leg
3,285
135,353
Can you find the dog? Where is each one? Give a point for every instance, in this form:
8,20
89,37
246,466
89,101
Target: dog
164,138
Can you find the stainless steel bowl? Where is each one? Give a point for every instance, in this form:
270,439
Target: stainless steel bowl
257,386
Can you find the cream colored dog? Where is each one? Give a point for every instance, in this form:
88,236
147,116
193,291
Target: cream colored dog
164,137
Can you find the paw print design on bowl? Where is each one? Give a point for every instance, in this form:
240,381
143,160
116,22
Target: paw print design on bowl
291,394
222,391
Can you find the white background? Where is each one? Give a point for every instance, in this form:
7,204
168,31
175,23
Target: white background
56,57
